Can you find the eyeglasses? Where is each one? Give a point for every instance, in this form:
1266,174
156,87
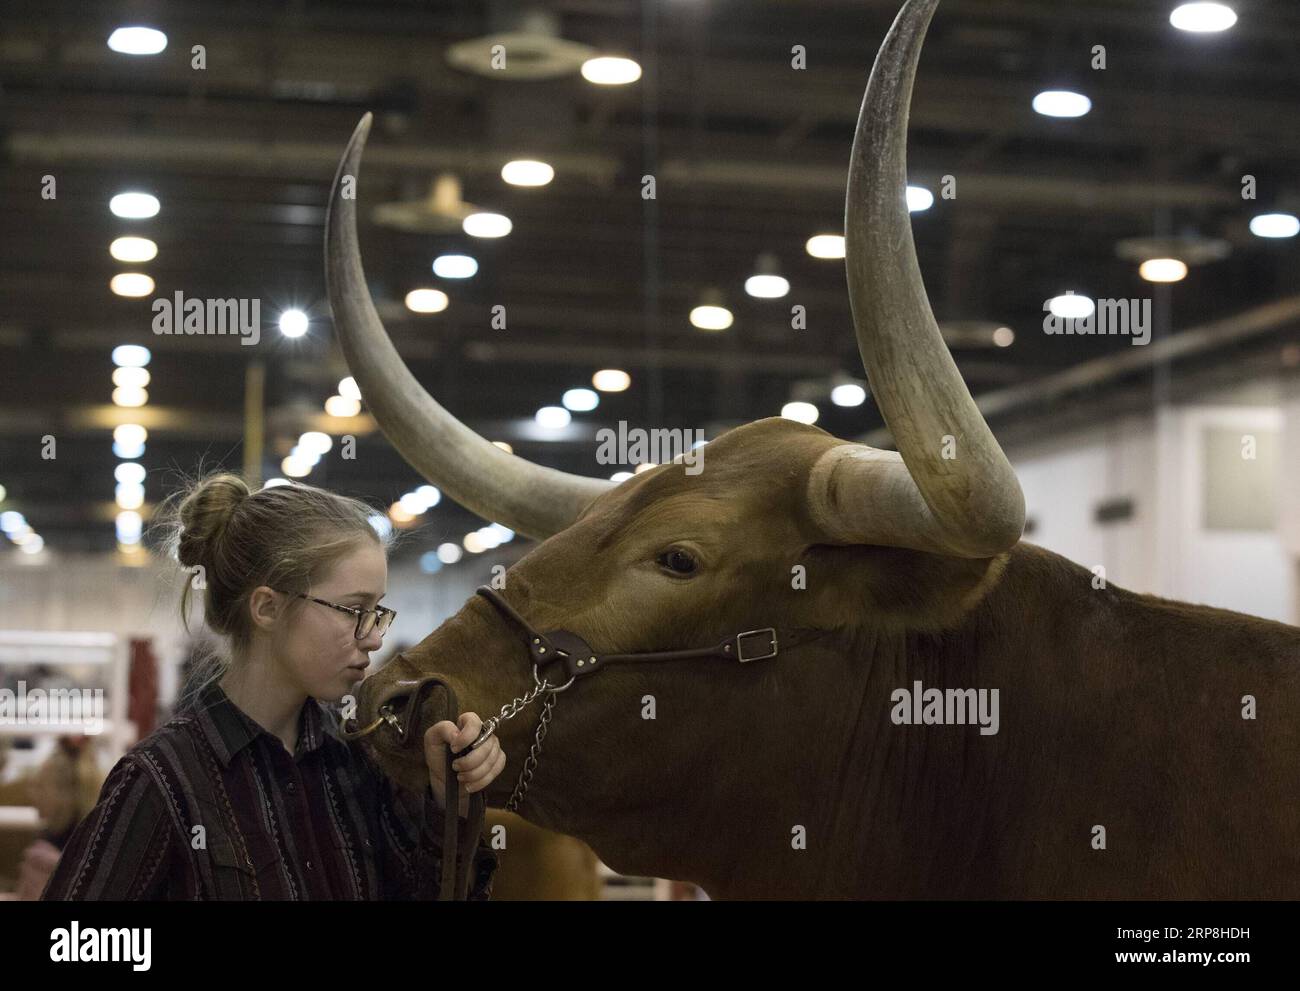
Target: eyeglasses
367,619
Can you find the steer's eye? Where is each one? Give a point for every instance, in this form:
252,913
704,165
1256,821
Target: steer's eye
678,561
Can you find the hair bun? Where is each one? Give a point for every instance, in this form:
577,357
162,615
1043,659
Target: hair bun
204,515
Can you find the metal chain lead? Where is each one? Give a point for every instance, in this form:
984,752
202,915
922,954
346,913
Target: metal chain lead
509,711
526,774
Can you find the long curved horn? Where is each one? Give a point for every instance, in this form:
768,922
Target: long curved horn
529,498
956,496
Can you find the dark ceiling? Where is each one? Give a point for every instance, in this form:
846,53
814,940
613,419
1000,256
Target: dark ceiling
749,156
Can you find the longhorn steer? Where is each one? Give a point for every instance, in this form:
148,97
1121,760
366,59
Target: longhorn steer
787,777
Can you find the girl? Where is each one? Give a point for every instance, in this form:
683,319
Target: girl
249,793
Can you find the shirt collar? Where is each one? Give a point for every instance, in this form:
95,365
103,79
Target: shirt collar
229,729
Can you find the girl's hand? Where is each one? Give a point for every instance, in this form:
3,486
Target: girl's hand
475,771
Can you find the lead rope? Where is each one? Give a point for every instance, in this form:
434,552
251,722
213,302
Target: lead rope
456,870
456,881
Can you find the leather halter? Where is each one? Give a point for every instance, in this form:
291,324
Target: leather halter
577,659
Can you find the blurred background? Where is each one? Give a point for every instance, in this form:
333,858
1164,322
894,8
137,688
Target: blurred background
583,212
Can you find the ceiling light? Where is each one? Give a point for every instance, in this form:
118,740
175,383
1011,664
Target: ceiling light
315,442
137,40
580,400
919,199
293,323
123,396
1061,103
1163,270
426,300
800,412
134,206
133,249
129,496
295,467
341,406
825,246
1202,17
131,378
129,524
1275,225
454,266
130,356
486,225
527,172
130,434
1071,306
131,284
609,70
129,473
848,394
611,380
552,417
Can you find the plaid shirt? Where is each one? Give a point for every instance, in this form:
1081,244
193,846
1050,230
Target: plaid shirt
212,806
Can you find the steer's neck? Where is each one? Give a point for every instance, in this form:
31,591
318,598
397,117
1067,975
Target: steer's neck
845,803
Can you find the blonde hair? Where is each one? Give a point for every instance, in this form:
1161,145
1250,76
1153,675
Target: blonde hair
233,540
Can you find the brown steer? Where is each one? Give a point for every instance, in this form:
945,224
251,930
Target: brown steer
1123,763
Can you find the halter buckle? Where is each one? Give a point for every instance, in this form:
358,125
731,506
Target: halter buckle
768,632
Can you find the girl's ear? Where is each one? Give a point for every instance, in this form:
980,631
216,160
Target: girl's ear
264,607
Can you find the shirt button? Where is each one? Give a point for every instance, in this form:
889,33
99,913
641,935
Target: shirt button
293,787
309,866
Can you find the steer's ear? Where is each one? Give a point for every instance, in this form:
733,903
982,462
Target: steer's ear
892,586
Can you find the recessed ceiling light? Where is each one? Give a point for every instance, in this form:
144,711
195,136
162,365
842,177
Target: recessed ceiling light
610,70
800,412
486,225
454,266
527,172
1061,103
131,284
426,301
1275,225
1202,18
137,40
133,249
134,206
1071,306
611,380
919,199
825,246
1163,270
293,323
